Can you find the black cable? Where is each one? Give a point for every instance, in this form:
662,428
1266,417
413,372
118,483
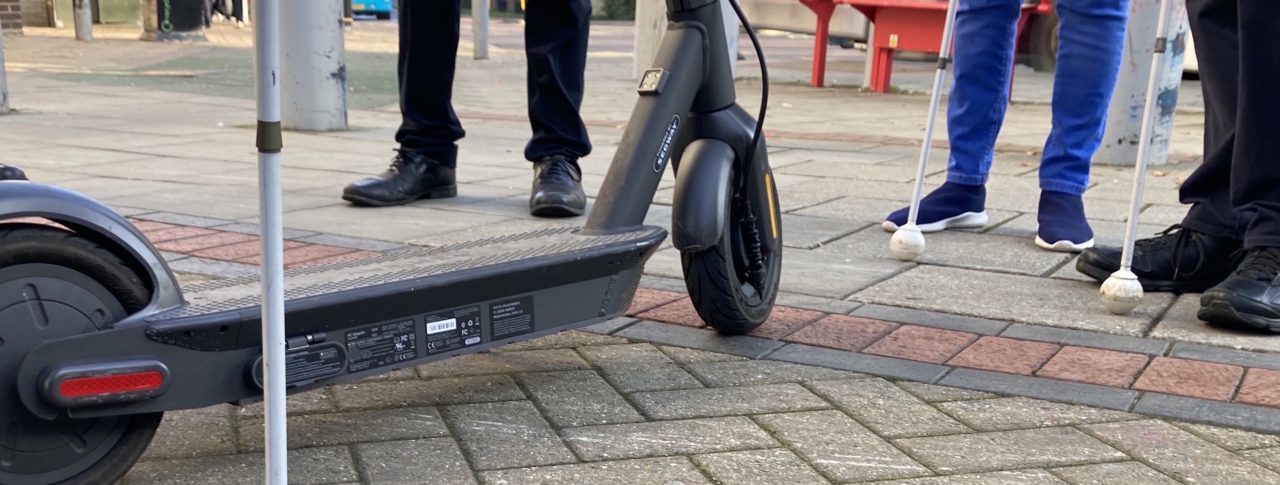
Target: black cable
764,76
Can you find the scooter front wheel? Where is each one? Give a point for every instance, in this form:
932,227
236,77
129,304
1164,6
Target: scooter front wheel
56,284
733,284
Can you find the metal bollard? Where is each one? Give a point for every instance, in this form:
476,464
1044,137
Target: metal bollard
83,14
313,65
480,28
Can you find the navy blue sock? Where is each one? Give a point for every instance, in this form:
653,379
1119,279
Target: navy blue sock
949,200
1062,218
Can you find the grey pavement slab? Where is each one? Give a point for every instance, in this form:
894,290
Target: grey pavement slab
816,303
864,363
693,356
1166,448
622,472
350,242
251,228
195,432
457,390
691,436
610,326
1018,477
352,427
808,232
648,377
741,345
623,354
1024,299
308,466
960,323
959,249
824,273
212,267
727,401
1269,457
1105,233
504,362
759,372
182,219
1009,413
1062,391
563,340
396,224
840,448
123,191
1086,339
886,409
437,460
506,435
995,451
759,467
1231,438
1221,355
1256,418
236,202
578,398
1129,473
1181,324
935,394
310,402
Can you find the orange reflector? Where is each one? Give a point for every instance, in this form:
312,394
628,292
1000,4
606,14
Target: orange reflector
773,215
111,384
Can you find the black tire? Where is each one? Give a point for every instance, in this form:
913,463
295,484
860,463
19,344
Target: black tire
1042,43
718,278
88,276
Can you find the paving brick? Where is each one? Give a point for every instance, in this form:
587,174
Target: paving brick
195,432
741,345
1253,418
251,228
1062,391
610,326
680,312
308,466
1231,438
727,401
504,362
1009,413
842,332
224,269
181,219
178,232
1001,450
852,361
147,226
624,354
336,259
436,460
674,470
921,343
1189,378
1084,338
458,390
239,252
506,435
302,253
692,356
1004,355
648,377
310,402
353,427
759,467
1222,355
841,448
1018,477
886,409
1261,387
644,440
192,244
932,393
563,340
1128,473
1166,448
1094,366
350,242
785,320
1269,457
757,372
648,298
578,398
980,326
825,305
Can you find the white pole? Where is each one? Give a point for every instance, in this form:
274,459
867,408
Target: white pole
314,67
732,30
4,83
1124,115
266,39
651,23
480,28
83,15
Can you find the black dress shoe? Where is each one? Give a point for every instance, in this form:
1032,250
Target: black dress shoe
11,173
1250,297
557,188
1177,260
411,176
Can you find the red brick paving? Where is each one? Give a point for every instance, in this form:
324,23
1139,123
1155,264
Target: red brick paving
177,232
842,332
150,226
921,343
1261,386
680,312
341,258
1094,366
785,320
301,254
1190,378
1007,355
237,251
648,298
192,244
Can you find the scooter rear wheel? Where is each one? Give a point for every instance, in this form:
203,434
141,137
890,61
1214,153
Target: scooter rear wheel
56,284
733,285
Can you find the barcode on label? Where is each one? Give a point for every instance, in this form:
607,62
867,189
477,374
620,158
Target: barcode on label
442,326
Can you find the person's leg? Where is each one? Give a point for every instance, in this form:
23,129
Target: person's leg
1202,251
555,36
429,129
1090,44
1251,296
985,32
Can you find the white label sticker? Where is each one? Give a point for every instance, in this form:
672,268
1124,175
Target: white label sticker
442,326
473,341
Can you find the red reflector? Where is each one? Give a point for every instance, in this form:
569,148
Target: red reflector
111,384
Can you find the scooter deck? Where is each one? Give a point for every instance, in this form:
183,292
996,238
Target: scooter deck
354,319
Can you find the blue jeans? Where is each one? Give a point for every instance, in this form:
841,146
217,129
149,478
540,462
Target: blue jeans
1091,39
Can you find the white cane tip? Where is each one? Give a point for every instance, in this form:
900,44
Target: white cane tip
907,243
1121,293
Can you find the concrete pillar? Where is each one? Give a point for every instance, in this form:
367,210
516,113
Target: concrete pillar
651,23
83,14
871,50
313,65
480,28
1124,116
4,83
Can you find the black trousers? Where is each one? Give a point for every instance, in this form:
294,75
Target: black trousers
1236,192
555,38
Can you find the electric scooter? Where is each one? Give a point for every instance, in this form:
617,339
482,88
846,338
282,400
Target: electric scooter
97,340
